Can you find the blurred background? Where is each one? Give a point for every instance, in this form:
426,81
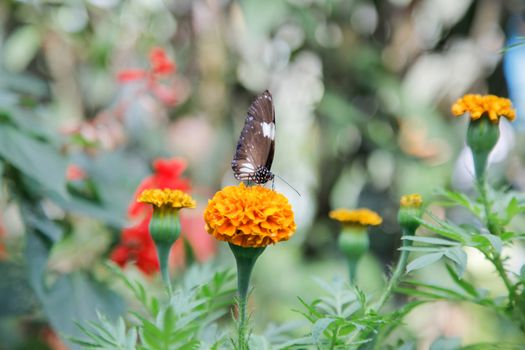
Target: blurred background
105,96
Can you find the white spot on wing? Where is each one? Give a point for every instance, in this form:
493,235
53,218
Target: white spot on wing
268,130
247,168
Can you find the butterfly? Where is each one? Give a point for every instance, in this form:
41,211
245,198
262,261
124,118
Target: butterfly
254,154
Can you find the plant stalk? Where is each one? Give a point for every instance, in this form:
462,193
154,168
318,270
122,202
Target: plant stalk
493,228
163,252
245,259
398,272
352,270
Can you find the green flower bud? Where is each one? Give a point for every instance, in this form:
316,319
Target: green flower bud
482,136
354,242
409,212
164,226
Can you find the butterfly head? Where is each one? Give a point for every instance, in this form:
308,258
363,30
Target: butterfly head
262,175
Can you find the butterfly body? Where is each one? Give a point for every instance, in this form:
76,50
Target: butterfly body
255,149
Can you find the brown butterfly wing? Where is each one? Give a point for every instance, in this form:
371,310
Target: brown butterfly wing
256,145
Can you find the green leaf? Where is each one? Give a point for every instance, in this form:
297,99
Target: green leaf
92,209
431,240
423,261
458,198
35,159
446,229
438,291
467,287
2,167
30,123
459,257
513,208
77,297
44,226
491,239
23,83
319,327
16,295
257,342
72,297
21,47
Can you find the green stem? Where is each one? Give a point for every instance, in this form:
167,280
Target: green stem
392,283
498,264
163,252
244,271
493,228
334,338
398,272
245,259
352,270
482,188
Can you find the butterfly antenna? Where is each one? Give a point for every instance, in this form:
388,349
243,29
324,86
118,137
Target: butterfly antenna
286,182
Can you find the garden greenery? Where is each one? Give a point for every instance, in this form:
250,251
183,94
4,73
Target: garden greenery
194,314
207,306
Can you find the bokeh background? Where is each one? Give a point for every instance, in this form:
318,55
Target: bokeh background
362,92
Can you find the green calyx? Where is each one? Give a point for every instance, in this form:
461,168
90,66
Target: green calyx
164,226
245,258
482,136
353,243
408,218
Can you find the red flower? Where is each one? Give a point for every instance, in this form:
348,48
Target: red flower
161,65
136,243
160,62
131,74
75,173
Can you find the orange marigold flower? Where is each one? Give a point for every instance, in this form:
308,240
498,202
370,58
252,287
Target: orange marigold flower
249,216
478,105
357,217
167,198
411,200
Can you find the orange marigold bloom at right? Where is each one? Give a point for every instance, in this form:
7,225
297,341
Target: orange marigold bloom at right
249,216
476,105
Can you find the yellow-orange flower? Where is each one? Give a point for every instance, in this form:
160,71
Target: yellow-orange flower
411,200
166,198
249,216
357,217
477,105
